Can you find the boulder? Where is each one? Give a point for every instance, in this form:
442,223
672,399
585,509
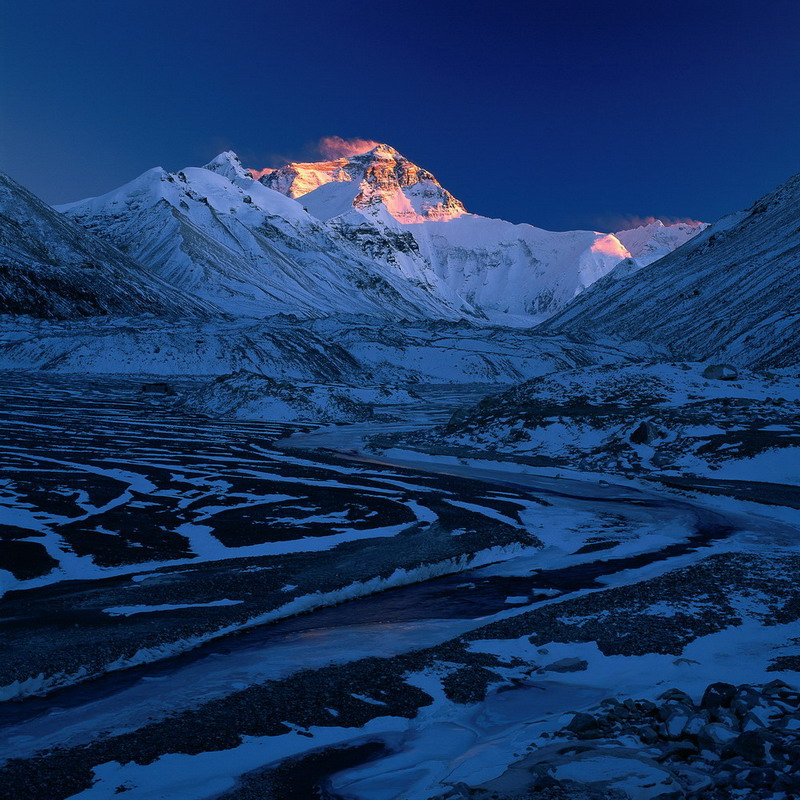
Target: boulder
678,750
646,433
584,724
695,724
746,698
678,695
777,687
753,722
649,735
718,694
726,717
751,746
789,783
761,778
676,723
669,709
721,372
715,737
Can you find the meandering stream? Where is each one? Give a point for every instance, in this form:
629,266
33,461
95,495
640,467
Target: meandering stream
392,622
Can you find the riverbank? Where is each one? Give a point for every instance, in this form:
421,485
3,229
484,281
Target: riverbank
565,591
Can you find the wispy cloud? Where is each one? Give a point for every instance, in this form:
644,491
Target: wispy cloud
624,222
331,147
327,148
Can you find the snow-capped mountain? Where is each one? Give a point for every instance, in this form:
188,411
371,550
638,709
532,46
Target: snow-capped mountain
369,234
401,216
653,240
51,267
215,232
378,182
731,293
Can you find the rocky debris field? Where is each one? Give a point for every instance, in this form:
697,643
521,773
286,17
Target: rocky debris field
666,613
147,530
735,739
736,742
680,420
503,669
247,395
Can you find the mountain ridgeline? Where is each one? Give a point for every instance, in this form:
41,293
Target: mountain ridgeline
54,268
371,234
375,235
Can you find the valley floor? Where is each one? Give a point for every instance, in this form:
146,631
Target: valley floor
200,608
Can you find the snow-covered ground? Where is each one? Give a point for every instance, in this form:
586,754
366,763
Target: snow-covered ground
597,589
357,350
660,420
287,550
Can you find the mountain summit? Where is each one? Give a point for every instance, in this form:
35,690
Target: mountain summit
399,215
219,235
380,180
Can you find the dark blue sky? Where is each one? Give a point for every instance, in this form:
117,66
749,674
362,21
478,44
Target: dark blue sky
563,113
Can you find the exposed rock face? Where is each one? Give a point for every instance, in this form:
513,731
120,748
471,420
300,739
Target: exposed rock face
379,176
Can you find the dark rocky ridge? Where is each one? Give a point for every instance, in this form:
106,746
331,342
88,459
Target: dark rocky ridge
52,268
730,294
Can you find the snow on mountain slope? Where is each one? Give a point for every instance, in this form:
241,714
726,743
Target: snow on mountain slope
399,215
731,294
654,240
513,274
224,237
368,234
51,267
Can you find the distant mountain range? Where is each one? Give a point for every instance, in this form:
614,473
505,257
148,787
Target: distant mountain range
373,235
370,234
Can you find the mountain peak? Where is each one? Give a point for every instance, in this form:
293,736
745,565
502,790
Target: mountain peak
652,239
379,182
380,150
229,165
